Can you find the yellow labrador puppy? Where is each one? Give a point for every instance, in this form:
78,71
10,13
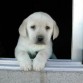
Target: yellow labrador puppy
35,41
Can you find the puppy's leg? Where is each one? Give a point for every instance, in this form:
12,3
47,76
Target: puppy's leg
24,60
40,60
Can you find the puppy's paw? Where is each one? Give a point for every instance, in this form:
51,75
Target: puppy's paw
38,65
26,65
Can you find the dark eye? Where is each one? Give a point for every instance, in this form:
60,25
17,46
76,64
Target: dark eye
33,27
47,27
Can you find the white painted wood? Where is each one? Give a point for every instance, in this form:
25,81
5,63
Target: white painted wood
52,65
77,30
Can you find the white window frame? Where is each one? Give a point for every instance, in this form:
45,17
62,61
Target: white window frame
51,65
75,64
77,34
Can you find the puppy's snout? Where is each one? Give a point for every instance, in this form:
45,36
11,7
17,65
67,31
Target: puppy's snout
40,38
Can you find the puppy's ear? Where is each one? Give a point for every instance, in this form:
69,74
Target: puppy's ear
22,28
55,30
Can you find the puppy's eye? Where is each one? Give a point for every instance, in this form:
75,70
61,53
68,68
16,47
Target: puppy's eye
47,27
33,27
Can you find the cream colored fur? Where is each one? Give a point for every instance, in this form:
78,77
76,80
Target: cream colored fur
28,37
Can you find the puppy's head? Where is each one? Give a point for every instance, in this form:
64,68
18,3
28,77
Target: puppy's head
39,27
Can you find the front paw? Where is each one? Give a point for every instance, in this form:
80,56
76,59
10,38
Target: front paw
38,65
26,65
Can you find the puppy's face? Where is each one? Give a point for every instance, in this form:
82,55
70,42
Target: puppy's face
39,27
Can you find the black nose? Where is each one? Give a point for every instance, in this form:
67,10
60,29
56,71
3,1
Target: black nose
40,38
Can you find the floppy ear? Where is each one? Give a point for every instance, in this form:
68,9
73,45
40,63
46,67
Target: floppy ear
55,30
22,28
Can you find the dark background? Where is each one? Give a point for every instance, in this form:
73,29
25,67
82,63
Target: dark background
13,13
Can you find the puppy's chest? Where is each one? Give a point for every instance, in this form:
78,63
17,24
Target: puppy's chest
32,55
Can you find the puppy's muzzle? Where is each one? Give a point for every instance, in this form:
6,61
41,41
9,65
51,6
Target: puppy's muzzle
40,39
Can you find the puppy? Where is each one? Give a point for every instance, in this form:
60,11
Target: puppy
35,41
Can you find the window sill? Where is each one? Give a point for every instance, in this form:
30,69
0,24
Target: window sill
52,65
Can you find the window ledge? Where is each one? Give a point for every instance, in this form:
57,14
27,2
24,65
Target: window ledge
51,65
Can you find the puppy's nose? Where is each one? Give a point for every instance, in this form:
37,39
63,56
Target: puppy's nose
40,38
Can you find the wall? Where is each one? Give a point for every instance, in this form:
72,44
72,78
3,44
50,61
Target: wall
40,77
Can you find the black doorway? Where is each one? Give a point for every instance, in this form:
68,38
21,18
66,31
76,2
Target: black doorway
13,13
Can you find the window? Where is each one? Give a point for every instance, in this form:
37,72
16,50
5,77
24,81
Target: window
60,11
68,47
